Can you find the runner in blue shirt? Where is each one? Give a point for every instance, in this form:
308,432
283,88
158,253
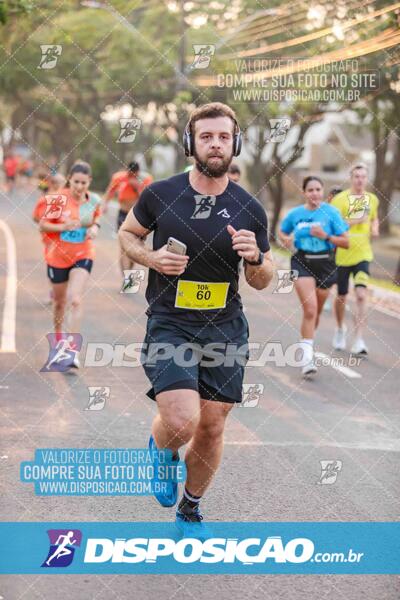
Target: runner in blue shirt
315,228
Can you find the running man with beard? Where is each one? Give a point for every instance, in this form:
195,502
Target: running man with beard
194,299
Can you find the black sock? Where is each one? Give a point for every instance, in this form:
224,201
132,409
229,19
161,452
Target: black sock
189,502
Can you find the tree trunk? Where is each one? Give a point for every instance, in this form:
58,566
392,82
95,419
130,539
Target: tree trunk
275,187
397,275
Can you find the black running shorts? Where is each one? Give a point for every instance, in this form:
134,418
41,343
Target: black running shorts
207,358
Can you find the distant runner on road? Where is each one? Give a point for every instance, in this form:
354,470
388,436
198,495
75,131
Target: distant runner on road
314,228
360,210
127,187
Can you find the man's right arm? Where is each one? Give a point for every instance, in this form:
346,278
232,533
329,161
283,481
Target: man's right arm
132,238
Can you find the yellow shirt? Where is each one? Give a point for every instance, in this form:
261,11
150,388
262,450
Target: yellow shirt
352,206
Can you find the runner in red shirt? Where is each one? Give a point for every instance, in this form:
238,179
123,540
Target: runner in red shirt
73,215
10,166
127,186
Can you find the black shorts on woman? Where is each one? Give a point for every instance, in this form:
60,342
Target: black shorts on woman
319,265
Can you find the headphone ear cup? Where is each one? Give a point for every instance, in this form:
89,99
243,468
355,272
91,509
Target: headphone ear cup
187,143
237,144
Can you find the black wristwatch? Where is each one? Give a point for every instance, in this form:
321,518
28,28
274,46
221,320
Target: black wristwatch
258,262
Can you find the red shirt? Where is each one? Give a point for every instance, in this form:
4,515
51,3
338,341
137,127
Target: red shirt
10,166
130,192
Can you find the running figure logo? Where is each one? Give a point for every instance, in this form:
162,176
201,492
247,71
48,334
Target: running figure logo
132,280
358,206
62,352
54,205
204,205
329,471
128,130
286,279
97,397
202,55
62,547
251,394
278,129
50,54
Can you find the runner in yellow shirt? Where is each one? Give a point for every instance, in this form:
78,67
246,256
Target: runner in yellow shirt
360,210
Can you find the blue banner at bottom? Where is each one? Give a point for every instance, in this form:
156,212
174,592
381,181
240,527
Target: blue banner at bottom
228,548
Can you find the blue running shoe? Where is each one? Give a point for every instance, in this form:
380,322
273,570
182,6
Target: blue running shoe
170,496
191,525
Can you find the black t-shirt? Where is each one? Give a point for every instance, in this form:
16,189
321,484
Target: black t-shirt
171,207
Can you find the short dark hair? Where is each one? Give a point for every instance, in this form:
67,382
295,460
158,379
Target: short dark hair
309,178
358,166
334,191
133,167
212,110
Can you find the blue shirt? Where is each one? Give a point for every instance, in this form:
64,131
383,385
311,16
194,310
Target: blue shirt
300,220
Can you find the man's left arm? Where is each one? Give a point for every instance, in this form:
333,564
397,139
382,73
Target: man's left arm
244,242
375,219
259,277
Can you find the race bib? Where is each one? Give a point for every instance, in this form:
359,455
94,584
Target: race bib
199,295
76,236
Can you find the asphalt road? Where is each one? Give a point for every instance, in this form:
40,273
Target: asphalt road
271,462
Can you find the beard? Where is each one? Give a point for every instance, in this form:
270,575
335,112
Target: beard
212,167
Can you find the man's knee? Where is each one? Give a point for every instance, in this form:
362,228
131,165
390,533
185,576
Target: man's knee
182,425
361,294
212,428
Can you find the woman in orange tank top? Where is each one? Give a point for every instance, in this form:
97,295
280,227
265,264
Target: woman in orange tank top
73,216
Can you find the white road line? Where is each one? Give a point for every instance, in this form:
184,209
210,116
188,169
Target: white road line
10,296
332,363
245,443
386,311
